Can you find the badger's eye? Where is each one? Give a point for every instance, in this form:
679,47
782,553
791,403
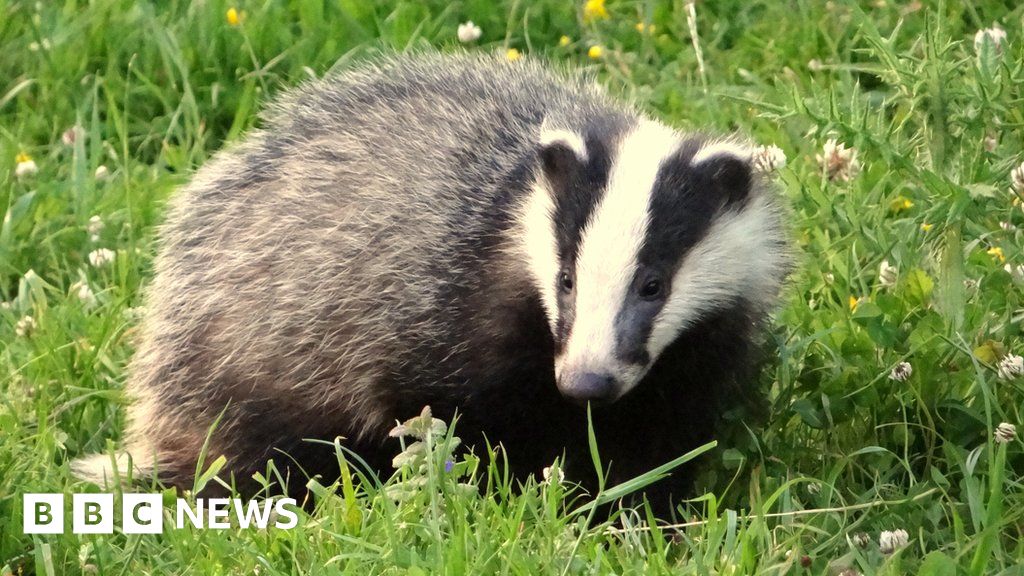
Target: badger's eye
651,289
565,282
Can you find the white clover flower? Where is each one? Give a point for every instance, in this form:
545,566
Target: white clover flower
861,539
887,274
102,173
1010,367
1015,272
468,32
71,135
25,166
838,161
767,159
95,225
555,472
1006,226
1017,178
990,143
1005,433
36,46
901,372
995,35
101,257
25,326
889,542
84,293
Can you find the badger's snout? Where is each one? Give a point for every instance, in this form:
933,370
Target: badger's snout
595,387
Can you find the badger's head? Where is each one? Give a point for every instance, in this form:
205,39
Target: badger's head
635,235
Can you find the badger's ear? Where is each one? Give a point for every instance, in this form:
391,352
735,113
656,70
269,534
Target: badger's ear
562,156
725,168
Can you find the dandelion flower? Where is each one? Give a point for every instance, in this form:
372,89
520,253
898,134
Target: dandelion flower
512,55
995,35
997,253
901,372
838,161
234,17
102,173
1017,178
468,32
101,257
594,10
889,542
1005,433
768,159
595,52
25,166
1010,367
25,326
564,41
887,274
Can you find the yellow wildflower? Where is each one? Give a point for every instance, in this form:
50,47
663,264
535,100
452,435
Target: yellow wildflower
900,204
926,226
595,52
233,16
22,157
564,41
513,55
853,302
593,10
641,28
997,253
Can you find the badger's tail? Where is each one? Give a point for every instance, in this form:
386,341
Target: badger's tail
110,469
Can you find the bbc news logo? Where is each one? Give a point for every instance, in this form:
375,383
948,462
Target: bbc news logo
144,513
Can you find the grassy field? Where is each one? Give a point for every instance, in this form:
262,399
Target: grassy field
909,247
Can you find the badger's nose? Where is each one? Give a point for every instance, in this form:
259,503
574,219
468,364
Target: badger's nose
589,387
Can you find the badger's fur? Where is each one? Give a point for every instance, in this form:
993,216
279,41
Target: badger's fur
480,236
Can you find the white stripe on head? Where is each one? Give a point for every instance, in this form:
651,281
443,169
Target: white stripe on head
567,138
540,247
609,246
721,148
741,254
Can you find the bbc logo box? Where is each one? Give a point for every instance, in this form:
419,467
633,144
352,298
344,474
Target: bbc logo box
92,513
144,513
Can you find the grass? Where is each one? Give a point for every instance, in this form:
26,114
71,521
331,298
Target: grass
845,453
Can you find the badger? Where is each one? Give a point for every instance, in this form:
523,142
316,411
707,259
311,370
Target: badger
492,239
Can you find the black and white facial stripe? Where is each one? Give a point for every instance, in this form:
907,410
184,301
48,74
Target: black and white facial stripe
634,235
